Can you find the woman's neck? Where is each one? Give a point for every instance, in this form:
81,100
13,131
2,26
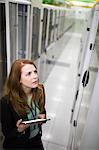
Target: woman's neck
28,91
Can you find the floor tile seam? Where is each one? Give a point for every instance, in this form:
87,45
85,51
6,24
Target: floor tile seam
50,142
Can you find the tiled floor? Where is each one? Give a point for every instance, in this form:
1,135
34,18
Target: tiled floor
60,89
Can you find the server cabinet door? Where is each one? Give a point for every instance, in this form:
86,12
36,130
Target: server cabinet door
50,27
56,25
87,109
3,54
18,30
87,95
35,33
44,30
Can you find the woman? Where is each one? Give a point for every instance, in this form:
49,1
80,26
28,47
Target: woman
24,99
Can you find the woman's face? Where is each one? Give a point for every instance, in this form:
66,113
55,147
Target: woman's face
29,76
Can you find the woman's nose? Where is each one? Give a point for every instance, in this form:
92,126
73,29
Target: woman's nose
35,75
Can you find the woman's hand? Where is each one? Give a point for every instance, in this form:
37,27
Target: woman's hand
21,127
41,116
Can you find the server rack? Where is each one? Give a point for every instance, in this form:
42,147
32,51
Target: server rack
88,75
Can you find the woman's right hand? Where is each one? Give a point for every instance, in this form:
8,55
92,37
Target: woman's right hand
20,126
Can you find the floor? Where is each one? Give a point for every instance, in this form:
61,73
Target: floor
60,88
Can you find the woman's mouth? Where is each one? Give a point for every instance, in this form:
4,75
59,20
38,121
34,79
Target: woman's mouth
35,82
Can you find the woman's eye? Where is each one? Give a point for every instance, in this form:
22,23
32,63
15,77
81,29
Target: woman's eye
35,71
28,73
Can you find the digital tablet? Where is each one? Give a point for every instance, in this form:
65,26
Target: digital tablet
35,121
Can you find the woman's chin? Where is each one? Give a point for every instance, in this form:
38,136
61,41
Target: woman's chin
35,85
